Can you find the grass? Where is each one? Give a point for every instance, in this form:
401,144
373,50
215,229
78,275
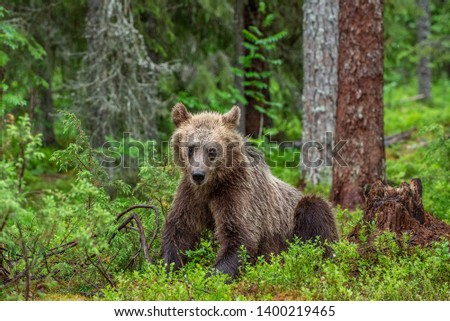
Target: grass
401,114
426,154
389,272
385,270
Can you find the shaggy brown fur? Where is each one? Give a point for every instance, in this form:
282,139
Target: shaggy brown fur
227,187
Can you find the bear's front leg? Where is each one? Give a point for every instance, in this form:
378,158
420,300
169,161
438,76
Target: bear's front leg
231,233
228,261
181,230
176,240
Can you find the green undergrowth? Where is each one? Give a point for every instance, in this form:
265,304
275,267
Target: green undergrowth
389,272
385,270
426,153
426,158
402,112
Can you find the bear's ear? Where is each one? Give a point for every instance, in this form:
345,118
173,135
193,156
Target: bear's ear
180,114
232,117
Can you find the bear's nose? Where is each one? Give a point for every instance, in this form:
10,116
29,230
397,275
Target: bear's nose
198,176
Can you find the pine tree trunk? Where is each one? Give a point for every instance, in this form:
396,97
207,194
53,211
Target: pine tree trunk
423,31
359,115
98,115
320,52
48,133
254,120
238,52
48,109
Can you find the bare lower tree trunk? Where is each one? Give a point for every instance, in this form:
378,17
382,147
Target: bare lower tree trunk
423,32
48,110
238,52
254,119
98,124
320,53
359,115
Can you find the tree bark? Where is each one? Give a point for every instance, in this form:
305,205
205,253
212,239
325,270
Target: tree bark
359,115
98,115
320,54
238,52
48,109
255,121
423,31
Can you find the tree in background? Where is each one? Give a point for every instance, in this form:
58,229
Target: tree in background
19,53
257,97
260,43
49,25
117,89
238,53
320,54
359,115
423,32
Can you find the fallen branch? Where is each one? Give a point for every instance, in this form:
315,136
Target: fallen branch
143,240
61,248
412,98
27,265
155,231
10,282
135,207
141,232
102,270
390,140
406,100
142,237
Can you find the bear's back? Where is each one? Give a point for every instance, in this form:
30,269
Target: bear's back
272,202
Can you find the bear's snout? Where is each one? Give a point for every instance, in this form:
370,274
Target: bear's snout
198,176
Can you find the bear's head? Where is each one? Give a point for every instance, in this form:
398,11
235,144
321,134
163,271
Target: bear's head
206,145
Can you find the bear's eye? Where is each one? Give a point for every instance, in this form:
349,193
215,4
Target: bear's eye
190,151
212,153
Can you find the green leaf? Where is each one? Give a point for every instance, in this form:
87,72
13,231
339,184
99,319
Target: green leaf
260,109
13,100
237,71
273,38
252,74
257,84
249,36
275,61
256,31
250,46
268,20
4,58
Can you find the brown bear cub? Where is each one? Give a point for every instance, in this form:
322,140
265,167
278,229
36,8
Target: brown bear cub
228,188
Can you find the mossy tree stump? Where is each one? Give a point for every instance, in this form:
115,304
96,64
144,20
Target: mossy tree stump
399,210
